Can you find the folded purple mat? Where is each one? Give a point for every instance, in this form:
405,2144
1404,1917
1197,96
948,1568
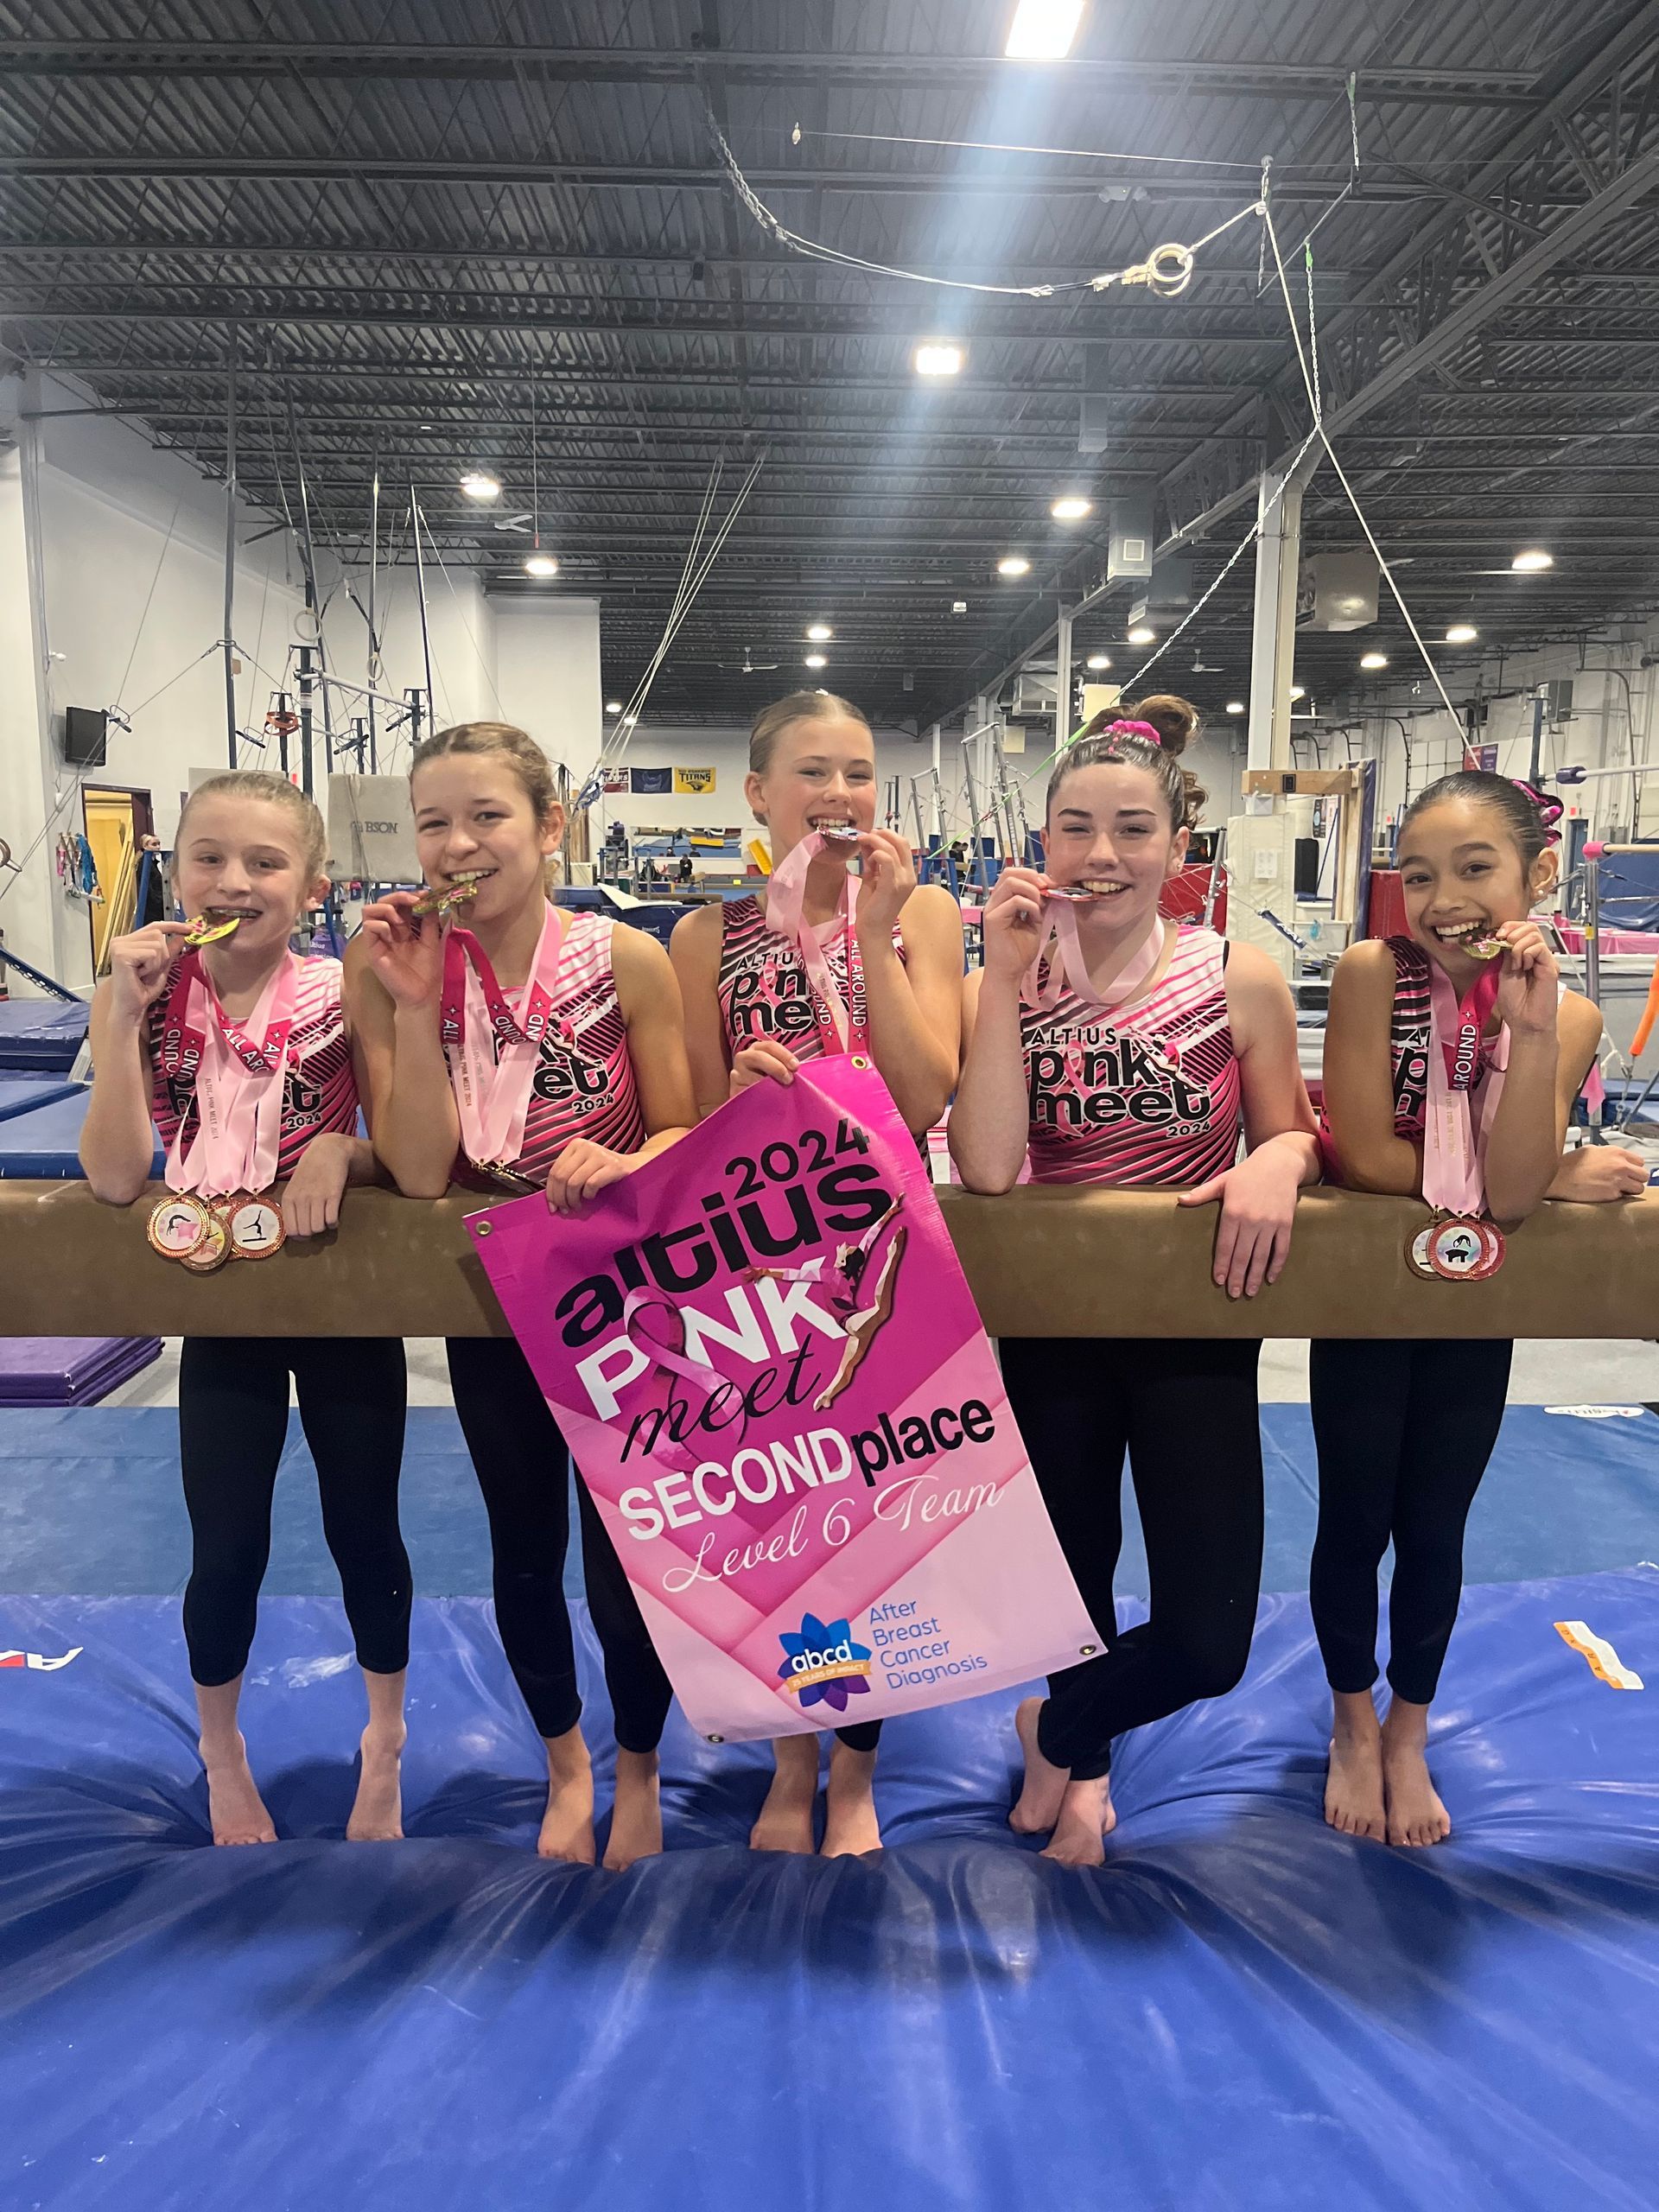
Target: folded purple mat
69,1371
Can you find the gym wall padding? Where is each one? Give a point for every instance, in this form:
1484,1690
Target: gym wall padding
1041,1262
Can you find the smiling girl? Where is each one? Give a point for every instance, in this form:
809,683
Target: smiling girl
240,1055
534,1046
1130,1051
1451,1061
818,962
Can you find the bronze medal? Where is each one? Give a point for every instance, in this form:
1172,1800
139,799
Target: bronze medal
177,1225
254,1227
213,1249
1462,1249
1417,1257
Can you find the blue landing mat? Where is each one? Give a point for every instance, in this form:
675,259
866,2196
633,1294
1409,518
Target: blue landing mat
91,1500
1240,2008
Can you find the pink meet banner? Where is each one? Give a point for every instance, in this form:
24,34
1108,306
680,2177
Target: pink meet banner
770,1371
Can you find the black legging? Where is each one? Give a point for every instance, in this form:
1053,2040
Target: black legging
232,1424
1185,1410
1405,1427
522,1465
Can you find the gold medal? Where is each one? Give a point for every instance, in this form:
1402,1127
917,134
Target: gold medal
254,1227
203,931
212,1250
177,1225
1463,1249
434,900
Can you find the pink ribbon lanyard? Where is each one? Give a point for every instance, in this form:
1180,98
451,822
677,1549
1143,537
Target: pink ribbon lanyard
1454,1145
1066,964
492,1045
236,1084
702,1377
838,1030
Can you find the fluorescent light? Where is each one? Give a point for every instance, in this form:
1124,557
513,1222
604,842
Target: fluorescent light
1298,691
478,484
1235,706
613,706
1071,508
820,632
540,564
937,357
628,721
1099,660
1528,563
814,660
1142,636
1462,633
1042,30
1014,565
1374,660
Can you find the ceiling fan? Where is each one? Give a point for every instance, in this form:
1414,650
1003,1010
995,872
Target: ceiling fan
518,524
750,667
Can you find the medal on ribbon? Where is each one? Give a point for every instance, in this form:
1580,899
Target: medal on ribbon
492,1042
1460,1244
843,1024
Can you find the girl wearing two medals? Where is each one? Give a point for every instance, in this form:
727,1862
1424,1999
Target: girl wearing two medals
532,1047
1126,1051
1451,1061
239,1053
821,963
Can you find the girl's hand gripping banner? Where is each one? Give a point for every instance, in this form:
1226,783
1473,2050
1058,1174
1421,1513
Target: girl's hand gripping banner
766,1360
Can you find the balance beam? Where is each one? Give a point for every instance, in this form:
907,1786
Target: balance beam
1042,1262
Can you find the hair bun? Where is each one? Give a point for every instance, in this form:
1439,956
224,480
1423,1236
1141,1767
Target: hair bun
1550,809
1173,722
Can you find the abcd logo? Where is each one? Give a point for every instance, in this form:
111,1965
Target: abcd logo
824,1666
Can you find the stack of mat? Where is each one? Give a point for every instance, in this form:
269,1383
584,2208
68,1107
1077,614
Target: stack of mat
40,1033
69,1371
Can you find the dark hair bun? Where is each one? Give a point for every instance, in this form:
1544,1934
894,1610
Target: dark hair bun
1176,720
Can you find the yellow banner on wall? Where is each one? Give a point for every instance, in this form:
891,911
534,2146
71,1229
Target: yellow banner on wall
694,783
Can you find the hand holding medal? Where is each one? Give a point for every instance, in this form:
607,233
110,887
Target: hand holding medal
1528,988
140,965
406,956
1013,923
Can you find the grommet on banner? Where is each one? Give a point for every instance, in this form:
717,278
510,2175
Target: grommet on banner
714,1739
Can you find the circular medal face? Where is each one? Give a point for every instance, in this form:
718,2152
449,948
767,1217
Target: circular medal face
177,1225
206,930
1461,1251
213,1251
255,1229
1417,1257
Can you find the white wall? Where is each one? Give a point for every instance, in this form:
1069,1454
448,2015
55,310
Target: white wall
125,592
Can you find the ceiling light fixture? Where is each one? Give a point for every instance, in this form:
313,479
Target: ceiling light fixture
1529,562
613,706
1071,509
815,660
1462,633
1374,660
1298,691
1234,707
540,564
537,563
1099,660
937,357
819,632
1042,30
1142,636
1014,565
478,484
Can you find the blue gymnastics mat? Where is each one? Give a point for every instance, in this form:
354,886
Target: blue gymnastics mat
21,1091
45,1142
41,1033
1240,2008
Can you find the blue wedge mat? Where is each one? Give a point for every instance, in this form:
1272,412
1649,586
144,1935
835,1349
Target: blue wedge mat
91,1500
1240,2008
44,1142
20,1091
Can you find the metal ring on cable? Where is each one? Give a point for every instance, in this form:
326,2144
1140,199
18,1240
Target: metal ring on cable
1173,278
375,669
306,628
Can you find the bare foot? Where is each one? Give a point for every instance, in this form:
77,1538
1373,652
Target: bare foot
637,1814
377,1814
234,1805
568,1824
1039,1804
1415,1813
786,1822
1353,1781
1087,1818
850,1827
